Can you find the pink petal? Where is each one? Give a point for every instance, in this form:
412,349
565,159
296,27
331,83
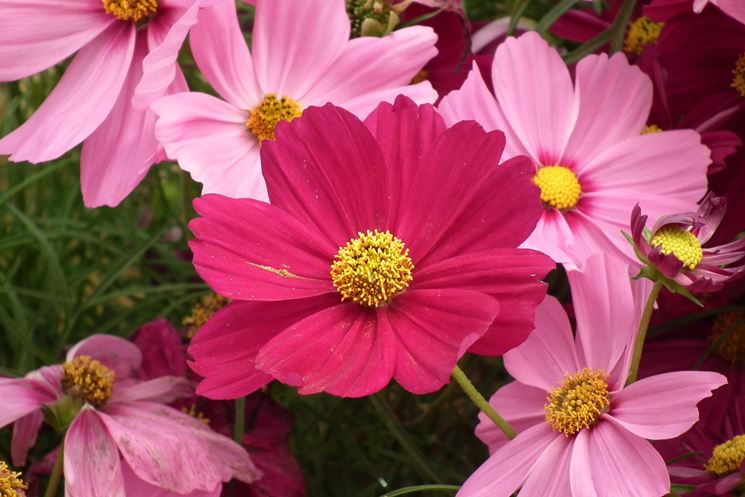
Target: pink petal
165,390
362,105
162,352
225,348
284,30
604,457
118,354
222,55
31,43
135,486
91,461
507,469
209,139
328,171
80,101
614,99
250,250
554,235
25,433
149,435
664,406
548,353
733,8
520,405
119,153
21,399
534,90
550,475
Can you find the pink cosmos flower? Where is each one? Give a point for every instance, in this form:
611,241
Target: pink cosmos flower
664,10
674,247
591,160
120,438
581,432
389,249
302,56
116,43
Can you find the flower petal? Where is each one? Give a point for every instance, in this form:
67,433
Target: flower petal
522,406
22,399
134,485
550,475
120,355
165,389
25,433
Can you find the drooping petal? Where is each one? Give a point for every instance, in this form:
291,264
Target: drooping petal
550,475
209,139
79,103
664,406
135,486
25,433
165,390
120,355
21,399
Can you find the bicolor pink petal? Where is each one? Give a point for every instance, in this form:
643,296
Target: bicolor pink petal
91,461
508,468
31,43
133,485
550,475
25,433
664,406
165,389
209,139
249,250
120,355
79,103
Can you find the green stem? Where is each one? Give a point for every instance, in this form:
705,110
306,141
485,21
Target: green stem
54,478
481,402
641,333
240,417
422,488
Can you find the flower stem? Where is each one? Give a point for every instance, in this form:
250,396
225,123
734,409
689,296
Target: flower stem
641,333
481,402
240,419
54,478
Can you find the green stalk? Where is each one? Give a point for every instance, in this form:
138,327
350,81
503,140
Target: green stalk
56,475
641,333
481,402
240,416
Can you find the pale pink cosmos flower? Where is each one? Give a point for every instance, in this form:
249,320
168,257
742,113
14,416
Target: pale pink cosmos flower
592,162
120,437
302,56
119,46
581,432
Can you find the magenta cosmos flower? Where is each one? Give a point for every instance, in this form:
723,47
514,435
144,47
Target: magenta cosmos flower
581,432
591,160
674,247
93,101
389,249
118,432
302,56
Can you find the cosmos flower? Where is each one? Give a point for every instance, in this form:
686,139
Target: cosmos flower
302,56
591,160
117,42
388,250
118,433
581,432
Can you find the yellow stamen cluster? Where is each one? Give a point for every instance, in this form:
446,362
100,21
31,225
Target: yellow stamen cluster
88,380
642,32
263,119
681,243
559,186
727,457
728,336
738,75
196,414
202,311
578,402
130,10
11,484
372,268
651,128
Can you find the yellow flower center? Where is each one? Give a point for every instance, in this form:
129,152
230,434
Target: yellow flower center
559,186
728,336
88,380
578,402
263,119
641,33
727,457
372,269
681,243
651,128
130,10
738,75
11,484
203,311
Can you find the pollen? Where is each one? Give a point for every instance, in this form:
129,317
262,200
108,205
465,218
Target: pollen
263,119
11,484
372,269
559,186
578,402
727,457
641,33
130,10
202,311
88,380
651,128
728,336
738,75
681,243
196,414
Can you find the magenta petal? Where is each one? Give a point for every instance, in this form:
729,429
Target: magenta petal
250,250
91,461
165,389
522,406
664,406
162,352
117,354
25,433
79,103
